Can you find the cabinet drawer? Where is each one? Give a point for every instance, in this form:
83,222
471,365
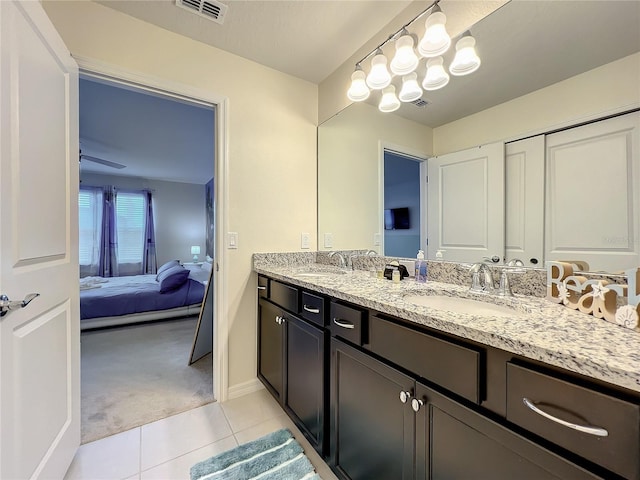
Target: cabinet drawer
284,295
263,287
312,308
349,323
573,404
454,367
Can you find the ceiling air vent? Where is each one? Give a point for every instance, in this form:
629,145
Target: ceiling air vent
210,9
421,102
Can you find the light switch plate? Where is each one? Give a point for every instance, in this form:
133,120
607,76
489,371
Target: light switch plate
376,239
232,240
305,240
328,240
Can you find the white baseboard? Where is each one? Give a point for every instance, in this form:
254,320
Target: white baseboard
244,388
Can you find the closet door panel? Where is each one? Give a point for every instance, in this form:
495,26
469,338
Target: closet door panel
593,194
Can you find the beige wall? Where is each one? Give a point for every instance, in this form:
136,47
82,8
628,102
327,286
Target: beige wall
349,155
271,142
607,89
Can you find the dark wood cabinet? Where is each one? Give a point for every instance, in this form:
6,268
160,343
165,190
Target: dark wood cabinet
372,431
455,442
270,347
292,365
383,398
305,398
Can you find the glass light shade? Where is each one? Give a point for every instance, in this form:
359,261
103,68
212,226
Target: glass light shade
379,77
358,91
405,60
436,76
466,60
436,40
389,102
410,90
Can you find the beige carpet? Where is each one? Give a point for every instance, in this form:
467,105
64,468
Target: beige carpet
138,374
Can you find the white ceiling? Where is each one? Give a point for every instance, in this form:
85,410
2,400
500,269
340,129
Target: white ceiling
308,39
524,46
152,136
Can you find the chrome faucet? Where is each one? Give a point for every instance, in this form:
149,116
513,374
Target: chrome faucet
343,263
481,278
371,253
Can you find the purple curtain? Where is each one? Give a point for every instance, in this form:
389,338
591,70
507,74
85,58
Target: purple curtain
108,264
149,254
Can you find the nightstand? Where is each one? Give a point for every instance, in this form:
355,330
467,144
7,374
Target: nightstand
192,265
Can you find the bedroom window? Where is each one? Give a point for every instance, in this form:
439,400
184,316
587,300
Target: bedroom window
90,223
131,221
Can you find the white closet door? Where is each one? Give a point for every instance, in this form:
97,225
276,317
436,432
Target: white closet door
39,344
524,201
466,204
593,191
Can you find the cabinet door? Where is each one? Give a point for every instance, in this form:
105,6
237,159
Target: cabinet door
454,442
305,379
270,352
372,431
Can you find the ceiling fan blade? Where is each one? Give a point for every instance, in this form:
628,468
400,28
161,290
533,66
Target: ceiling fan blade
102,162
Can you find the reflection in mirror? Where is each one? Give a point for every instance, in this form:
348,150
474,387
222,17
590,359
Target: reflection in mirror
528,84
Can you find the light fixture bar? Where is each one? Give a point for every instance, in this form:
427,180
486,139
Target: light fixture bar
395,34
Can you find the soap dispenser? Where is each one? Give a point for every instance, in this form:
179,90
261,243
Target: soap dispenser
421,267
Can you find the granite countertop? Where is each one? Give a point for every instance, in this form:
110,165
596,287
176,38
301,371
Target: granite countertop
539,329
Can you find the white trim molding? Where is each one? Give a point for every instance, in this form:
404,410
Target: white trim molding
182,92
244,388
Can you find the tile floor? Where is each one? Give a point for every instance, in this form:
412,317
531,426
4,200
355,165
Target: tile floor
166,449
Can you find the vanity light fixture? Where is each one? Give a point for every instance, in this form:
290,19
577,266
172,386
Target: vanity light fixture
466,60
410,90
436,76
389,102
405,60
358,90
434,43
436,40
379,77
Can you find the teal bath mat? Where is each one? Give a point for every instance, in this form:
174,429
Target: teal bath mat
276,456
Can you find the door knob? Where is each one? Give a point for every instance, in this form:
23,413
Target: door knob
6,304
405,396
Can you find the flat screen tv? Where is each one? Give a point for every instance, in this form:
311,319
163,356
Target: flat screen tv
396,219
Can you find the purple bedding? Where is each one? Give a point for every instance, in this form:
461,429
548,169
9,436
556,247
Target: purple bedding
115,296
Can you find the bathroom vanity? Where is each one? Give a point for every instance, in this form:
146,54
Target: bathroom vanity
388,384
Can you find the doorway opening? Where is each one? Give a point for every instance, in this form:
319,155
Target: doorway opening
404,212
136,368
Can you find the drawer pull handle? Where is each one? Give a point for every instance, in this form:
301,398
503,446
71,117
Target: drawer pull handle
598,431
416,405
261,287
310,309
343,324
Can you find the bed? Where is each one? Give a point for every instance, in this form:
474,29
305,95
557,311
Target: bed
173,292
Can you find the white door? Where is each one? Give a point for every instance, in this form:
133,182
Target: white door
524,201
593,194
39,344
466,204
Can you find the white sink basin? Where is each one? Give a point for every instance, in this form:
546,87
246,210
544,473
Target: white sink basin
461,305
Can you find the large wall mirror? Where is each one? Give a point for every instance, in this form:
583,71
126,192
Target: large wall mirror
546,65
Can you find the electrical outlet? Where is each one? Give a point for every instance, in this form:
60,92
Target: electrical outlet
305,240
376,239
232,240
328,240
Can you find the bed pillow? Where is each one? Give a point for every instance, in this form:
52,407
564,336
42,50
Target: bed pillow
172,278
166,266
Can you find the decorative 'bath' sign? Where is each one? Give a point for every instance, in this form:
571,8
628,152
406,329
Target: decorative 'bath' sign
595,297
